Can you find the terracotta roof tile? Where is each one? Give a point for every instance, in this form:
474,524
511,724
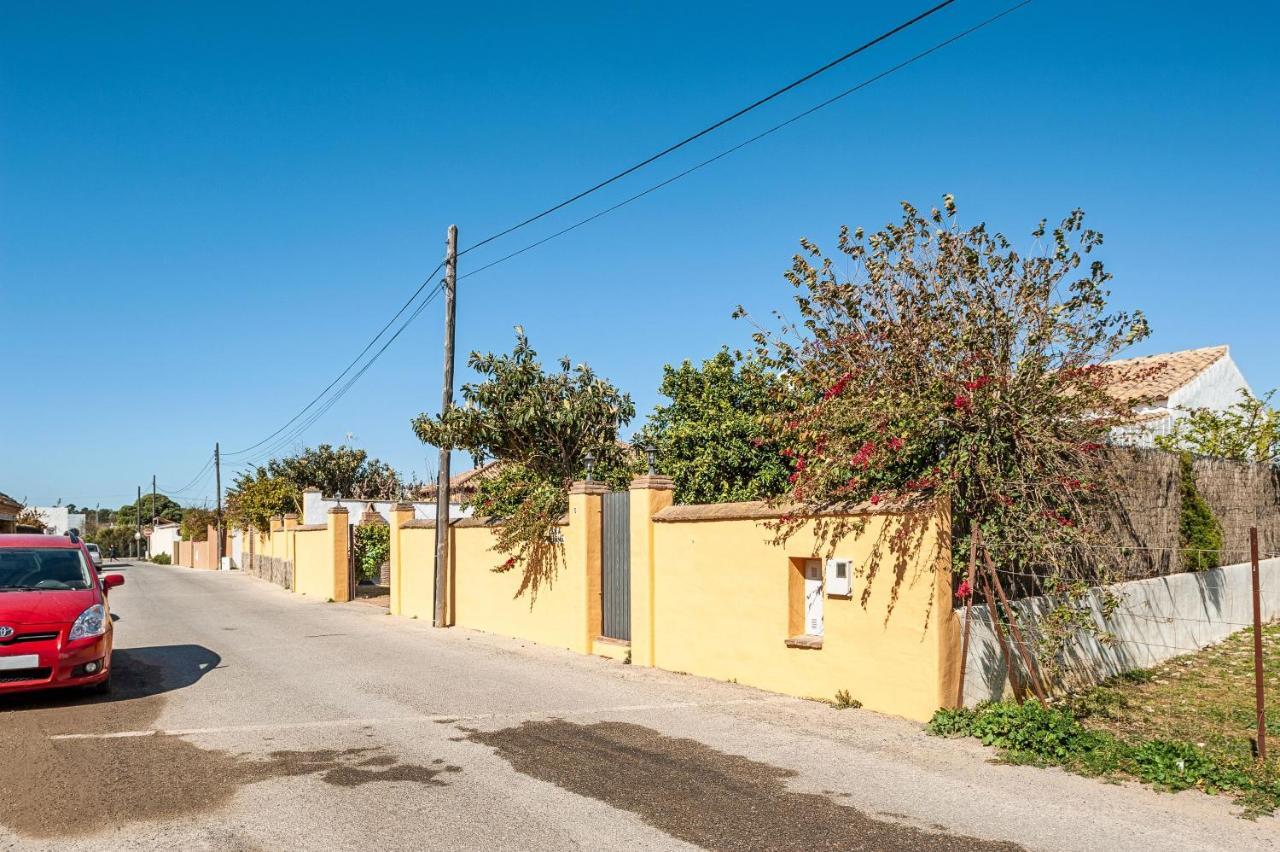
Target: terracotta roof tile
1154,377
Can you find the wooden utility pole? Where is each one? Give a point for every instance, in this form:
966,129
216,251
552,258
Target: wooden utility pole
217,476
137,530
154,518
442,477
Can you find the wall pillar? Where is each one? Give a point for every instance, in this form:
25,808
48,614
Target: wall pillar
582,553
401,514
649,495
291,537
339,542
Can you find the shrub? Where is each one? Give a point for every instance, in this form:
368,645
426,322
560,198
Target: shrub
1199,533
161,559
845,701
373,547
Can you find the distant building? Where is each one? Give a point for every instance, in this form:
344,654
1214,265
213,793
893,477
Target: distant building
162,537
1162,387
9,509
59,519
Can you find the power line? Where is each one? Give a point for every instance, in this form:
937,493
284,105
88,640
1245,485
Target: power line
354,361
774,129
298,430
709,128
208,464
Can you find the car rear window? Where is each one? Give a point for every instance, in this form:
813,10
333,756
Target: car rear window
43,568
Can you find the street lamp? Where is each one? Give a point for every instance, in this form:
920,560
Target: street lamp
651,453
137,544
591,464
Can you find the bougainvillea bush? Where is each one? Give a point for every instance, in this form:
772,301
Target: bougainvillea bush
937,360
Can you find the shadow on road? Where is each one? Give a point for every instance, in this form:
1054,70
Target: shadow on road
135,673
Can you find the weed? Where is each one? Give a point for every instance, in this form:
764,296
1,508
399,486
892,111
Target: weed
845,701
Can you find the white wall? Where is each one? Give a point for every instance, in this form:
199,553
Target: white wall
161,540
1157,619
315,508
57,519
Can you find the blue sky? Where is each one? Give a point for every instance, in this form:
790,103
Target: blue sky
205,212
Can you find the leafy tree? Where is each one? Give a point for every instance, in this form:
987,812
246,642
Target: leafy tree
119,537
711,438
338,471
165,508
946,363
1249,430
542,426
256,496
196,523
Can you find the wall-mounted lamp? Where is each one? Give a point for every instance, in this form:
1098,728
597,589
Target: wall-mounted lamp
591,465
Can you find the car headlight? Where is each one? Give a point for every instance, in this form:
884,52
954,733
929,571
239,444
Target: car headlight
91,622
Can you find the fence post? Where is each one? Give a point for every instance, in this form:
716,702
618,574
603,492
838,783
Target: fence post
401,514
649,494
1259,698
339,544
582,553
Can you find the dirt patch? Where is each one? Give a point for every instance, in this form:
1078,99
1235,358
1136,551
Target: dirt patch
700,795
67,787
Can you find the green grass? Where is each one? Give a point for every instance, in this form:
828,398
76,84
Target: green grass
1189,722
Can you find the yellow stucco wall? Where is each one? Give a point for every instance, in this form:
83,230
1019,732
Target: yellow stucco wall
413,584
312,564
722,598
485,600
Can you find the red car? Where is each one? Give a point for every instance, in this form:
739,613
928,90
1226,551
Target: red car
55,624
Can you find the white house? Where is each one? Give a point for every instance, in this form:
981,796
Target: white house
161,537
58,519
1163,387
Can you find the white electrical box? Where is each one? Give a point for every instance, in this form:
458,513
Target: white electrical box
840,577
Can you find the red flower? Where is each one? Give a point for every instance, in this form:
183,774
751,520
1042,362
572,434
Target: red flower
862,457
962,402
875,499
978,383
793,477
1090,446
896,444
963,591
800,464
836,389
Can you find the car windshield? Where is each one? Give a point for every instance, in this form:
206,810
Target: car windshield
43,568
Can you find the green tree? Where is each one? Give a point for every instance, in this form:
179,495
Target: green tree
341,471
196,523
1248,430
541,425
256,496
165,508
712,438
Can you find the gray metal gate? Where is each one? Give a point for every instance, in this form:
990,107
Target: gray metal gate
615,585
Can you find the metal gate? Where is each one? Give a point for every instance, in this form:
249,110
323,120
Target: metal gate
615,585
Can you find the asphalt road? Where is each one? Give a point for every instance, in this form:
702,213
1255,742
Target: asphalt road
245,718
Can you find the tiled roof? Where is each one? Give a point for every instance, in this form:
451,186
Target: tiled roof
1154,377
5,499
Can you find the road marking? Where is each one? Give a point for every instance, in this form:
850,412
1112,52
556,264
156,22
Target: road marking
437,717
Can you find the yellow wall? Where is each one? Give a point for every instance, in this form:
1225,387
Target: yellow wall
722,605
485,600
311,552
413,584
